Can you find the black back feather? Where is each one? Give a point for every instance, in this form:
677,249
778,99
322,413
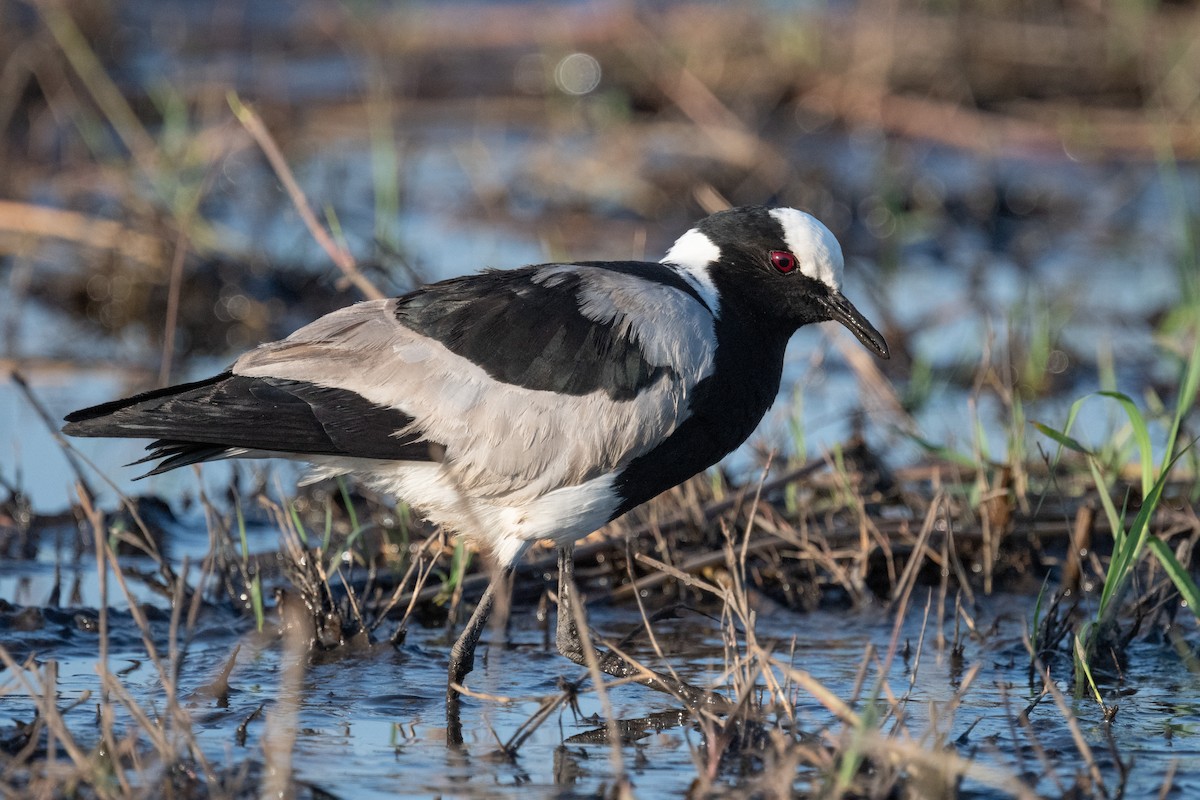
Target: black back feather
533,335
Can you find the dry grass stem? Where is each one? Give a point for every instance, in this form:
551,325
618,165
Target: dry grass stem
593,666
19,220
340,256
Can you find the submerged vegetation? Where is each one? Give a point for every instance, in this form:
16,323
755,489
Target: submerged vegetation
982,584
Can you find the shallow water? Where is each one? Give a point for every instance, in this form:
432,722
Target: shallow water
378,713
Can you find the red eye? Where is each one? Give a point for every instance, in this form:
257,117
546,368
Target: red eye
783,261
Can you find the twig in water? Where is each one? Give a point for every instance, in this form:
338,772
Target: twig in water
1085,751
642,610
526,728
593,665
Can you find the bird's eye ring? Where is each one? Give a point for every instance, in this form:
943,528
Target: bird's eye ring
783,261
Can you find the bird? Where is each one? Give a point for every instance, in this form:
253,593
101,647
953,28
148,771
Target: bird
536,403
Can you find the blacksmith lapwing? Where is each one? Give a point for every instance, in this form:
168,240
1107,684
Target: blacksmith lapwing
534,403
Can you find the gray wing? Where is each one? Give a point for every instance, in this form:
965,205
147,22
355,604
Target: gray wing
500,436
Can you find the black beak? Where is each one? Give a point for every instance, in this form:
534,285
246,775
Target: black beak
842,310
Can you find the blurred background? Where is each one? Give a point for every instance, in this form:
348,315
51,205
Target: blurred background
1016,190
1013,183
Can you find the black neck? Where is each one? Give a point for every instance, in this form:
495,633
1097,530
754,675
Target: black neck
725,408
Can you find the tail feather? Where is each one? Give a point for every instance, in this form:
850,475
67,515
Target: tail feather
181,454
107,419
229,415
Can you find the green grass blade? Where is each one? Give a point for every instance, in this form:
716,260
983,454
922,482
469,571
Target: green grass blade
1081,665
1178,574
1124,557
350,510
1141,435
1115,519
256,601
458,569
1037,616
1061,438
1188,387
295,515
241,526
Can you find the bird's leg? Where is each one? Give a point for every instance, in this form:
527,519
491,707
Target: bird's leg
610,663
567,635
462,654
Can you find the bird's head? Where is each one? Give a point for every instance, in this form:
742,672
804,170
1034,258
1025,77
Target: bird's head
778,264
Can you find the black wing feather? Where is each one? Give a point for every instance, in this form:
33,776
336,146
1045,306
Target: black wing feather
178,454
533,334
203,420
